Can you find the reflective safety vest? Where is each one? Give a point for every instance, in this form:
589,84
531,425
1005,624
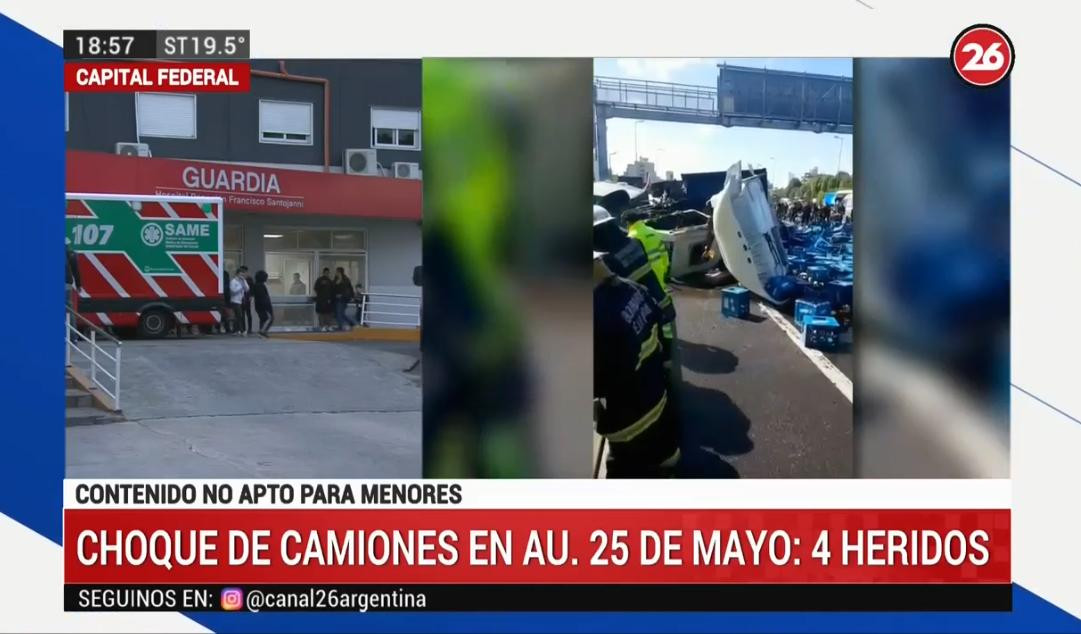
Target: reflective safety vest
628,374
631,262
654,245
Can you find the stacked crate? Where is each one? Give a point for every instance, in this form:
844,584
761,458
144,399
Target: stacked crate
821,333
735,302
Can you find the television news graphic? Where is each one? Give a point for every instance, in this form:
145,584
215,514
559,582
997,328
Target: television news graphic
149,44
472,545
159,61
982,55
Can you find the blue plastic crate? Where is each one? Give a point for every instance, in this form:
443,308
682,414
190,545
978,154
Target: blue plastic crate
818,274
810,308
808,292
735,302
840,292
821,333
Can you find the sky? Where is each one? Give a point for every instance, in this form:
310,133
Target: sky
685,147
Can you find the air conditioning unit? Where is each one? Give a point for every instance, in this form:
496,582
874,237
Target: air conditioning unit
407,170
360,162
133,149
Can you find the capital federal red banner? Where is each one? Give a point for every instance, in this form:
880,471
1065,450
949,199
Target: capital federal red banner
112,76
247,187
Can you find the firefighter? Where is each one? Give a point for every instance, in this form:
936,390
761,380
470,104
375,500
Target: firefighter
635,416
628,258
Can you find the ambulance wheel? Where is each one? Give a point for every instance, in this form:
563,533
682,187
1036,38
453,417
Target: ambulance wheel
154,324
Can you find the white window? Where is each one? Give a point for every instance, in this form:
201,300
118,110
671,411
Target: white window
396,128
287,122
165,115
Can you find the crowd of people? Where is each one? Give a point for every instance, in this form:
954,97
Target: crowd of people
805,213
333,297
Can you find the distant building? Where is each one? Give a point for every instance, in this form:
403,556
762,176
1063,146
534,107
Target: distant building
643,168
669,176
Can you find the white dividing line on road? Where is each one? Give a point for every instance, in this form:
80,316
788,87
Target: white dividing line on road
821,361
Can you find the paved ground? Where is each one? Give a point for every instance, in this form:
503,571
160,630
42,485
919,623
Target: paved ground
842,358
751,404
245,407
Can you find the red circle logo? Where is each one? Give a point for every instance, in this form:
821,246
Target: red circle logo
982,55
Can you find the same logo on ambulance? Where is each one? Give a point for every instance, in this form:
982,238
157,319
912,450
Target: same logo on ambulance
152,234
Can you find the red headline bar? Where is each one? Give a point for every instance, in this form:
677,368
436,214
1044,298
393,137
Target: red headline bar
543,546
157,77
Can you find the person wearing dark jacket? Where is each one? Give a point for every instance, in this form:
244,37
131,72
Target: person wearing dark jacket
324,299
261,298
245,306
635,417
73,281
228,317
343,296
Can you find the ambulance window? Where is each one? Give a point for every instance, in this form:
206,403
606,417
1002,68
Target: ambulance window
169,116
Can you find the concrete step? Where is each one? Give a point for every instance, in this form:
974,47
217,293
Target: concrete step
75,397
71,382
85,416
90,416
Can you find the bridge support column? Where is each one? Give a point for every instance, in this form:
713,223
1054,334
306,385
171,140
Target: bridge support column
600,141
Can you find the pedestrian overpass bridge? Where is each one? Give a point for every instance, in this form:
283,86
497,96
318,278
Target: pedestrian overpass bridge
743,96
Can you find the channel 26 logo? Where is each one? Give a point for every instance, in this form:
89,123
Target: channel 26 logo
232,599
982,55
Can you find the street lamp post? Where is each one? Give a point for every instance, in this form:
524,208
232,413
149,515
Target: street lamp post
636,139
840,149
610,155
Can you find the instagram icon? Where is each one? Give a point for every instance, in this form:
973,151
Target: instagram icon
232,599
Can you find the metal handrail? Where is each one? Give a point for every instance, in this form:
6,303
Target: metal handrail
366,312
652,93
93,326
98,357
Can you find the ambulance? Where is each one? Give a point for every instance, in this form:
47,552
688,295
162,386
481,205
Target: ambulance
148,263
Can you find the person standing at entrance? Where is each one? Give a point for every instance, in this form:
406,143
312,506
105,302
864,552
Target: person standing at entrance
261,296
245,309
228,322
343,296
238,289
74,281
324,299
298,287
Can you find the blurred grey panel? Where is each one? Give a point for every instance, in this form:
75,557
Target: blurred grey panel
508,316
932,302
